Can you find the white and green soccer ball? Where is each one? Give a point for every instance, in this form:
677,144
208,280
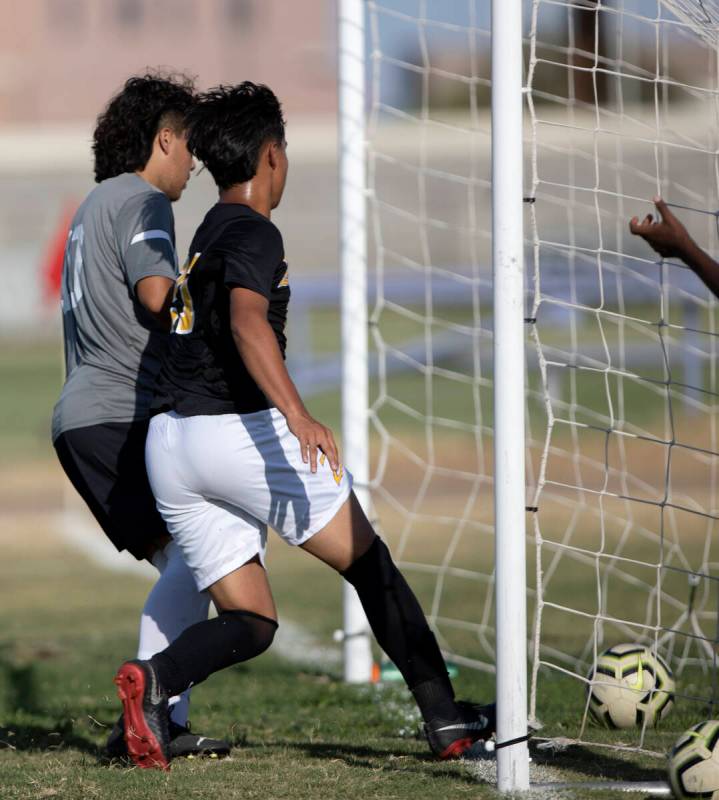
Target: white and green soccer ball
630,686
694,762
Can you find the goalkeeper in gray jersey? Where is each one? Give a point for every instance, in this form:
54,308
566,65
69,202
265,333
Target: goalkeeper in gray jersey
117,282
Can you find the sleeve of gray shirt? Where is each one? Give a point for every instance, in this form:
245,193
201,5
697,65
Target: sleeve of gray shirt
145,231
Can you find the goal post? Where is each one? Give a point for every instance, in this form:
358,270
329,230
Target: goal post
357,656
509,399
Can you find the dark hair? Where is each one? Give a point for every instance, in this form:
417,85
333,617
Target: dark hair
228,127
125,130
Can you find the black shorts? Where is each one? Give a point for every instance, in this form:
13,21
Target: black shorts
106,464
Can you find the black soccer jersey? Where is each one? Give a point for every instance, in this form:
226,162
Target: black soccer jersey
203,372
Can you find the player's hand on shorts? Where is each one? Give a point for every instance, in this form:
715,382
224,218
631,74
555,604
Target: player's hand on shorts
313,436
666,235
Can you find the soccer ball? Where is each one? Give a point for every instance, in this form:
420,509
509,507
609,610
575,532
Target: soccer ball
628,686
694,762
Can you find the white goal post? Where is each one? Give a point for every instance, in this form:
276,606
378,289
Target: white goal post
509,478
353,265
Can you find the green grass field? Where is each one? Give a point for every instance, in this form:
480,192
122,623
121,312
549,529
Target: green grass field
66,626
298,731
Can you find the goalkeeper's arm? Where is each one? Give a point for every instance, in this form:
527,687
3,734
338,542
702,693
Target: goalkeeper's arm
668,237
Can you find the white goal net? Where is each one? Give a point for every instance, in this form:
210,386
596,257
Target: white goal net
622,386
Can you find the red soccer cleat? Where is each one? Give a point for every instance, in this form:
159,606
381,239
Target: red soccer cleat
144,708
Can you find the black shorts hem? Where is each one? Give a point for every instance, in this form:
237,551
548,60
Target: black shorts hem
106,465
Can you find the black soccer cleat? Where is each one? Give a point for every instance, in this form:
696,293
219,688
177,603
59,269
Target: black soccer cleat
186,744
183,743
145,715
452,738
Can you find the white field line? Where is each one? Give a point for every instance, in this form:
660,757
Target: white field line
79,530
547,781
292,642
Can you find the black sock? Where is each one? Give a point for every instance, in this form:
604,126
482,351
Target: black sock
435,699
210,646
401,629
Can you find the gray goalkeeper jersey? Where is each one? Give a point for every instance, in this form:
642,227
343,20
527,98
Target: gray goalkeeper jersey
123,232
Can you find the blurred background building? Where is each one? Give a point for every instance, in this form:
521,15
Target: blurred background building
61,58
60,62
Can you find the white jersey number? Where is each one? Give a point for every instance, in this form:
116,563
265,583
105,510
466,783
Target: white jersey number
72,286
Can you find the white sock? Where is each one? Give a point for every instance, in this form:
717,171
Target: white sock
173,605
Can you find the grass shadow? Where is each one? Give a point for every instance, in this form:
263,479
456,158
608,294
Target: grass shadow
366,757
19,689
596,764
26,737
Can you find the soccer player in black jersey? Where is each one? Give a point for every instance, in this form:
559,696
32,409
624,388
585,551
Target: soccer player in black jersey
232,449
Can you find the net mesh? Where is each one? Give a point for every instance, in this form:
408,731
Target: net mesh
622,437
701,16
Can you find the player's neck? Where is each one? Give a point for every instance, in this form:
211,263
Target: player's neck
249,194
151,176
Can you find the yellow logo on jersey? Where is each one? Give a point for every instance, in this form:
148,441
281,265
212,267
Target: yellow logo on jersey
285,278
182,312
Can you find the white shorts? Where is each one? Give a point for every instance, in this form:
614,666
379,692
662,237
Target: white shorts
219,481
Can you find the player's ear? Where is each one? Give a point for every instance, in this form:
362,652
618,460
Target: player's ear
272,155
164,139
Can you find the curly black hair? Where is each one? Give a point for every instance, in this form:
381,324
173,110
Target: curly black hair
229,125
125,130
